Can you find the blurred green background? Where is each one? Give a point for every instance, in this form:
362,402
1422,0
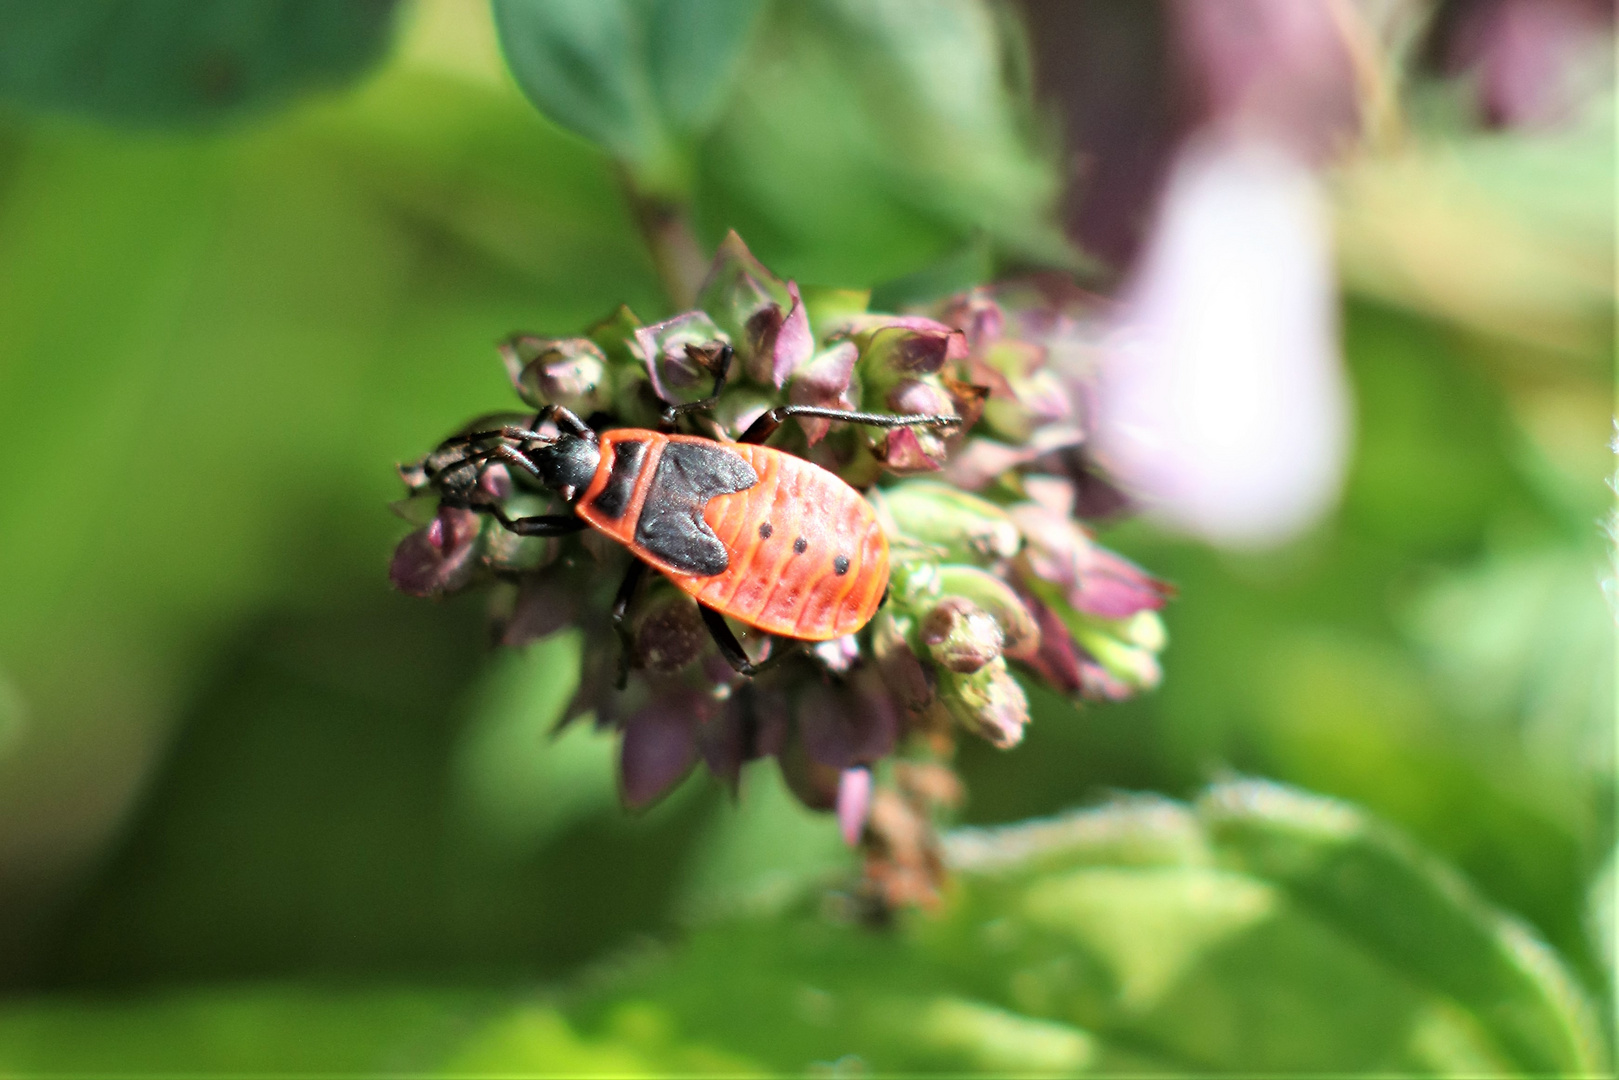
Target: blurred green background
257,812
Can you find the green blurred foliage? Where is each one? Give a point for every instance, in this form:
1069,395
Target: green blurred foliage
298,823
1259,929
157,62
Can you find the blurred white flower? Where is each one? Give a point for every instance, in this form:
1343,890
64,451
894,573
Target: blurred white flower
1222,403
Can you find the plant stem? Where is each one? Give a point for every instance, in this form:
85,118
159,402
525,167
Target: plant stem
676,254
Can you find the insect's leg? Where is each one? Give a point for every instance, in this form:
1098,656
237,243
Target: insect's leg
762,428
729,646
510,431
503,452
539,525
672,413
621,604
732,650
569,419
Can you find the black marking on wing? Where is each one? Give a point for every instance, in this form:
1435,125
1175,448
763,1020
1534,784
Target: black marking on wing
614,497
672,525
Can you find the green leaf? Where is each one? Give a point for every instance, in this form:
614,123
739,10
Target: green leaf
1260,930
155,62
877,138
695,47
637,77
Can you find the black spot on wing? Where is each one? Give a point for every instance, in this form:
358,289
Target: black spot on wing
672,525
614,497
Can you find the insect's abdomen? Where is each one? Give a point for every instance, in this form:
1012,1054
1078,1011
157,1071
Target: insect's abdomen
807,557
794,550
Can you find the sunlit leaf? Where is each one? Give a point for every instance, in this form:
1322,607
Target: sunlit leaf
637,77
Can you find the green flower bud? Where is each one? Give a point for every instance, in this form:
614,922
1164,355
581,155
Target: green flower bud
738,287
506,552
1126,648
988,702
571,372
964,527
615,336
1020,633
827,306
960,635
1131,664
904,349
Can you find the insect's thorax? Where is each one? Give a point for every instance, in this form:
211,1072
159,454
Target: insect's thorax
650,491
759,534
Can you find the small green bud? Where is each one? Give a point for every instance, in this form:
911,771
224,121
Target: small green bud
505,551
988,702
960,635
915,583
898,351
738,287
1145,629
571,372
1132,664
615,336
1019,632
828,306
964,527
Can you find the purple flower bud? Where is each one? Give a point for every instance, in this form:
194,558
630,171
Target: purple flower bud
571,372
849,724
854,802
437,559
778,343
960,635
823,380
752,725
1112,587
814,784
680,354
545,604
1060,661
863,326
909,450
977,315
667,629
902,673
982,460
918,397
1534,62
495,482
660,746
1096,580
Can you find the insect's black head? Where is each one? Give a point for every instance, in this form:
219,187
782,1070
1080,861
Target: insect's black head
566,465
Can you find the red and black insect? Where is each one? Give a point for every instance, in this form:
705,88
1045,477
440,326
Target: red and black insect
750,532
